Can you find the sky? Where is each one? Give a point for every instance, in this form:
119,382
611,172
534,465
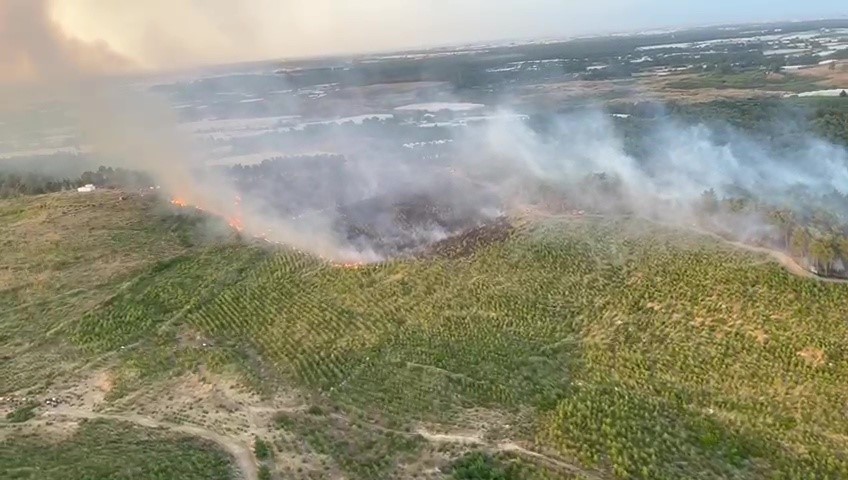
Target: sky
165,34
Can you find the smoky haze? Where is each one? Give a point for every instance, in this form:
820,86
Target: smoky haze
176,33
33,48
371,202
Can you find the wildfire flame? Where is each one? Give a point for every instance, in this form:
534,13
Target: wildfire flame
237,224
350,265
233,221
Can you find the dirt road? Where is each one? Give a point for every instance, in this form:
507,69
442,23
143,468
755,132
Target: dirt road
782,258
238,450
506,446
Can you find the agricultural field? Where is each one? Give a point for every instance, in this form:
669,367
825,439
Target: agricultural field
104,449
560,347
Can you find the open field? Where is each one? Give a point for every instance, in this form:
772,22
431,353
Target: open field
756,80
582,348
836,77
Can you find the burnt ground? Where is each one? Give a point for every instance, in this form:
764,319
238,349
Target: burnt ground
467,242
407,223
390,213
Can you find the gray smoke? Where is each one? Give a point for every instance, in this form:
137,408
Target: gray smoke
378,202
34,49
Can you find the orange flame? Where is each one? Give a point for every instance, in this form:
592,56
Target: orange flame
237,224
233,221
351,265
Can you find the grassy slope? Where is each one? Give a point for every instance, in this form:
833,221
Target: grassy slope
64,254
101,449
634,350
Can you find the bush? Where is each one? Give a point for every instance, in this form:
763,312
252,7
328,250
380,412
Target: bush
261,449
22,414
478,466
264,473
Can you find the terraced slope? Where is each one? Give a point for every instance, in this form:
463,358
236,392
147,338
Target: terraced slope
590,348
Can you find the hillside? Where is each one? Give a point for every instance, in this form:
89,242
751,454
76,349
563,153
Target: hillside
565,348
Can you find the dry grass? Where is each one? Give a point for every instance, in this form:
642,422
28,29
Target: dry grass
814,357
836,78
633,90
62,255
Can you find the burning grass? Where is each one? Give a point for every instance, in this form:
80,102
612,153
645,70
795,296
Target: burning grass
235,221
390,226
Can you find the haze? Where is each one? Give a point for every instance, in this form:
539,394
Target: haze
178,33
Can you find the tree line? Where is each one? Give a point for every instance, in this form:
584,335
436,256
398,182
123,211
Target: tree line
13,184
812,234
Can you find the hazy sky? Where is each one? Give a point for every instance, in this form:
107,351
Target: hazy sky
169,33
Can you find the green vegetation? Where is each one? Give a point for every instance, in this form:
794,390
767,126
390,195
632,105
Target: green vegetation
22,413
264,473
261,449
358,446
630,349
107,450
609,334
65,254
477,466
485,466
14,184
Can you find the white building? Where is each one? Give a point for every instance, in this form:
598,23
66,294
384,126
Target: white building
86,188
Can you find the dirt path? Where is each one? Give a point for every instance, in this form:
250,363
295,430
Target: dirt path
506,446
451,438
781,257
512,447
239,451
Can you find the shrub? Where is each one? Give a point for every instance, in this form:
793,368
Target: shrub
22,414
264,473
477,466
261,449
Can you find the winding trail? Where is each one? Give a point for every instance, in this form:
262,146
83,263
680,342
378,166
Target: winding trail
784,259
507,446
238,450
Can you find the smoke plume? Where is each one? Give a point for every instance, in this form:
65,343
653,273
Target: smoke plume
374,199
34,49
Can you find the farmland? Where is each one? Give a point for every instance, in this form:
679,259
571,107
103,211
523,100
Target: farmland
103,449
567,347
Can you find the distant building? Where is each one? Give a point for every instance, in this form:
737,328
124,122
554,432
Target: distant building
86,188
